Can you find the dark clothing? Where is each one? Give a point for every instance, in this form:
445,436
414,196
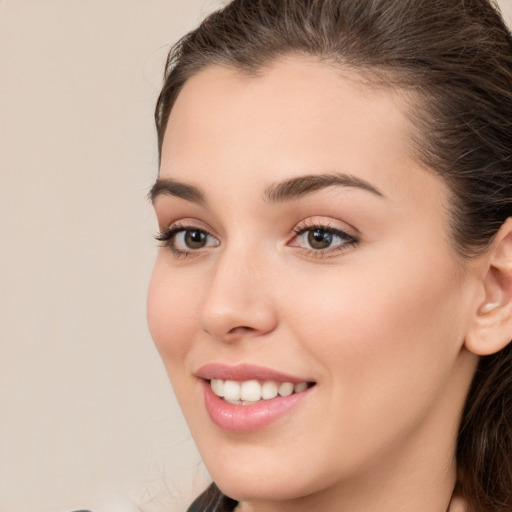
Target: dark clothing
212,500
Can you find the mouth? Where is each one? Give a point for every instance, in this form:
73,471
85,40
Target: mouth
246,398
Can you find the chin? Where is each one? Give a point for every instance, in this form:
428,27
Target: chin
264,478
266,488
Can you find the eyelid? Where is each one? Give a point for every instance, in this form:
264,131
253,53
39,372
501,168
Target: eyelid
327,223
184,223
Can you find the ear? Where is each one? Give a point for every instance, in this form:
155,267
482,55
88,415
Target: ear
491,328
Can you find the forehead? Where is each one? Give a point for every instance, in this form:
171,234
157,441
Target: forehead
291,88
298,115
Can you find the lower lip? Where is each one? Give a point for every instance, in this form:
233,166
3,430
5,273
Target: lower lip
247,418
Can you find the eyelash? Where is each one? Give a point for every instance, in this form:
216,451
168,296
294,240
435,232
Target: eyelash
348,241
167,239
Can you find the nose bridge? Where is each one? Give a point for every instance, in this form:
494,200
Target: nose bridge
238,299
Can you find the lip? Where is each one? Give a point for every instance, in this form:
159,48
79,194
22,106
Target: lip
243,372
247,418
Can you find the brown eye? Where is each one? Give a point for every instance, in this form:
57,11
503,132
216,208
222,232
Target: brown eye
322,241
319,239
195,238
182,241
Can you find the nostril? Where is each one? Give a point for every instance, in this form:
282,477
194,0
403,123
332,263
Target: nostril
242,329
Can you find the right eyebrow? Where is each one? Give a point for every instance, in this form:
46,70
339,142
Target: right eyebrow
171,187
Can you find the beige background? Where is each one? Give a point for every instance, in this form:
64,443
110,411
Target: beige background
87,417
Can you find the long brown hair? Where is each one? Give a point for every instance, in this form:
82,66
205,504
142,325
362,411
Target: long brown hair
454,57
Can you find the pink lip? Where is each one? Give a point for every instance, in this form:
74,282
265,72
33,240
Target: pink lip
243,372
247,418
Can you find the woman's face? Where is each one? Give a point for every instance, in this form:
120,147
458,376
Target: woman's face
307,249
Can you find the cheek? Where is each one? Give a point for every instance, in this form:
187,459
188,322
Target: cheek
171,311
386,355
373,331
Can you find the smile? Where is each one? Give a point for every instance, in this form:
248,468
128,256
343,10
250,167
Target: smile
250,392
245,398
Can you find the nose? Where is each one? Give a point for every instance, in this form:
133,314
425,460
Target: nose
239,300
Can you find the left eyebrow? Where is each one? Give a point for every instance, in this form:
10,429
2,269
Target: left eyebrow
295,188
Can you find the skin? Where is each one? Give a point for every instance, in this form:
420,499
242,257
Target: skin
379,325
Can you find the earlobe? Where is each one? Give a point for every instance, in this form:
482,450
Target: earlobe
491,328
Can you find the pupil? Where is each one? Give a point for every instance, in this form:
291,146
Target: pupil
195,239
319,239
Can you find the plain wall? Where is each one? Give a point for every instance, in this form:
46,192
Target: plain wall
86,413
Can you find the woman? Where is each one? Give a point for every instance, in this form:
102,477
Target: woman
332,298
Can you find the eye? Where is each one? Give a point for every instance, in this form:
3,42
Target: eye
183,241
319,240
191,239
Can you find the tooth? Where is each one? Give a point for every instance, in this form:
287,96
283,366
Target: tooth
234,402
231,390
217,386
285,389
302,386
250,391
268,390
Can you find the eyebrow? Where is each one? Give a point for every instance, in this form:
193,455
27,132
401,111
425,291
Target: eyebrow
287,190
172,187
295,188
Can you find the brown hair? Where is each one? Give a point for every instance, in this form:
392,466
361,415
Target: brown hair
455,59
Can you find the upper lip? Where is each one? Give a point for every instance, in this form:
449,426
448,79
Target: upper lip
243,372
